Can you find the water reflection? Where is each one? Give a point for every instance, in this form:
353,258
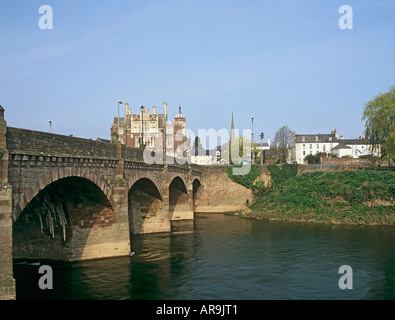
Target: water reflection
226,257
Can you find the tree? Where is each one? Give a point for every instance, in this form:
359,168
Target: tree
243,152
379,114
283,141
313,159
197,145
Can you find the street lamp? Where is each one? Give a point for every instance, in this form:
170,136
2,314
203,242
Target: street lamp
261,136
50,125
119,102
142,125
252,140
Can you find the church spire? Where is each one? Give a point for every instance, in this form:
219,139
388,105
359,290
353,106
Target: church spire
232,130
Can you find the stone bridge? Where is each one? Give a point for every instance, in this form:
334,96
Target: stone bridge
67,198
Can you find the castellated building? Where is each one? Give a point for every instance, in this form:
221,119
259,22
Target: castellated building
139,128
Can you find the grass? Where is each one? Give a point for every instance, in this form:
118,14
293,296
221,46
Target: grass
346,197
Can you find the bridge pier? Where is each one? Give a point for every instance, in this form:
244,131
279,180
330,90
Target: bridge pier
7,282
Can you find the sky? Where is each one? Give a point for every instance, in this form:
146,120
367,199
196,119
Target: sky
283,62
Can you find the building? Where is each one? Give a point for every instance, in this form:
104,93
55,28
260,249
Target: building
305,144
359,147
203,157
341,151
142,128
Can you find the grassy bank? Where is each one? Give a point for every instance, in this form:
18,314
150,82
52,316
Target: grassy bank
346,197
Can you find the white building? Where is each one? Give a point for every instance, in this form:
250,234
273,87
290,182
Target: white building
359,147
342,151
305,144
204,157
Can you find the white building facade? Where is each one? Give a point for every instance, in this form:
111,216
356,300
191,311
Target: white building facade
305,144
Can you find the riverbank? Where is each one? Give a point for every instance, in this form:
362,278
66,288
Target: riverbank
345,197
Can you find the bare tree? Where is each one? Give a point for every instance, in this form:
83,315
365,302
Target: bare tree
283,142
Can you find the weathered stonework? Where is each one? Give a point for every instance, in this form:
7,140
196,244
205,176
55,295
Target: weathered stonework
7,282
218,193
98,223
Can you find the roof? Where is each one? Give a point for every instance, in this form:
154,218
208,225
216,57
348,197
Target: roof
341,146
311,138
353,141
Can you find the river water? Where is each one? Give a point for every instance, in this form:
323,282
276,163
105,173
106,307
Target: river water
226,257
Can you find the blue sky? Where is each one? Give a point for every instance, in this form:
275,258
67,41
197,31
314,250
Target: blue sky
281,62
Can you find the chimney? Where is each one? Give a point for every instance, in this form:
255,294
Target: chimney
153,109
165,109
126,109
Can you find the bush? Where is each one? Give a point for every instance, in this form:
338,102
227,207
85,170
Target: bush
282,173
246,180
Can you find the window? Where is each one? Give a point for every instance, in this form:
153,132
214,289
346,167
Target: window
137,127
316,138
324,147
304,146
169,142
304,153
152,141
318,145
303,138
330,138
311,146
137,142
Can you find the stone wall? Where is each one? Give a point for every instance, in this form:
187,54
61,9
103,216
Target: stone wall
218,193
7,282
22,141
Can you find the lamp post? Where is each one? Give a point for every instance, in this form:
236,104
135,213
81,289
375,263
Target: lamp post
119,102
142,125
261,136
50,125
252,140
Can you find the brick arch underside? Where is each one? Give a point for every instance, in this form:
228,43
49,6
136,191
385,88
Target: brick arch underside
150,175
183,177
46,179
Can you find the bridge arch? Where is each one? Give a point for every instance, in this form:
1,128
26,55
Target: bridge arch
66,220
136,175
146,208
52,176
179,200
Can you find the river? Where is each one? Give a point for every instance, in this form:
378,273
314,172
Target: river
220,256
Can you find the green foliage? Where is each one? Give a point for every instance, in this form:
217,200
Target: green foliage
246,180
313,159
345,196
282,173
379,114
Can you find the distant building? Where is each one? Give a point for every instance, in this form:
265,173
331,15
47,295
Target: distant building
142,128
305,144
359,147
